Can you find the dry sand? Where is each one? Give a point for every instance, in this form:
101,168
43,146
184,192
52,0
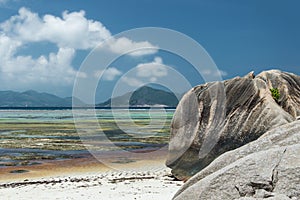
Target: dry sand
89,179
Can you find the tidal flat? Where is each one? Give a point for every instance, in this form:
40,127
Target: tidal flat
30,137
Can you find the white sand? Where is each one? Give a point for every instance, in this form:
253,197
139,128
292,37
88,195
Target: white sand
123,185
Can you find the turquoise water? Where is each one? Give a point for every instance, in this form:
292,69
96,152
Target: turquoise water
67,115
29,137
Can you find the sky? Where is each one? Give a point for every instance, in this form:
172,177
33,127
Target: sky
44,44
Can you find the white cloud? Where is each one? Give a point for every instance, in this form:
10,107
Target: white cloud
153,69
108,74
53,69
124,45
133,82
70,32
73,30
8,47
146,72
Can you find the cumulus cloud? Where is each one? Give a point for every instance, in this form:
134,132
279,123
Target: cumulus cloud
8,47
108,74
153,69
133,82
73,30
70,32
124,45
147,72
52,69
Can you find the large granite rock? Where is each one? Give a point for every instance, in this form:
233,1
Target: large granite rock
268,168
214,118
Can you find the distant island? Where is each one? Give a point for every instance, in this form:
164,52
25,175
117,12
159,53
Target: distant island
32,98
143,97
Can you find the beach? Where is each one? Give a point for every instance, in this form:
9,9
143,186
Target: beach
68,180
43,155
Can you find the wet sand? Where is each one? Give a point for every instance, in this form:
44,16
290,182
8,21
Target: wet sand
131,177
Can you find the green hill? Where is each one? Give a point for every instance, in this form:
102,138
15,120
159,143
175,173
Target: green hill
32,98
144,96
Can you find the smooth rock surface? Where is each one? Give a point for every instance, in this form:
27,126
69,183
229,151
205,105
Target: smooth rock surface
268,168
214,118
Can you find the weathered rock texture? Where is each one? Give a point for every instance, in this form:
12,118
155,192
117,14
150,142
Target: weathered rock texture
214,118
268,168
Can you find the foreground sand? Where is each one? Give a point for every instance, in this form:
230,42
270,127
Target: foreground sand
111,185
143,179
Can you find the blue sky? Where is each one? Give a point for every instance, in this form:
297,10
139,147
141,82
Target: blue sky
40,51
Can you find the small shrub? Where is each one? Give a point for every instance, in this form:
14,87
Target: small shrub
275,93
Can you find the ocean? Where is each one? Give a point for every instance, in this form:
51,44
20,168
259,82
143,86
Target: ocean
33,136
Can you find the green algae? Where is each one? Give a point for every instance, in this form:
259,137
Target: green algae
62,136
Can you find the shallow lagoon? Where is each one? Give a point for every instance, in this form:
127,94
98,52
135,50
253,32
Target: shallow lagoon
29,137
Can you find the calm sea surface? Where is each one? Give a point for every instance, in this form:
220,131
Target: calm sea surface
29,137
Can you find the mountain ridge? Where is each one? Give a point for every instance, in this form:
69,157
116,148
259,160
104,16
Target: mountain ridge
32,98
143,97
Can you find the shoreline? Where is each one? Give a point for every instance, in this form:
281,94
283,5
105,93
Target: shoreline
87,178
126,185
102,162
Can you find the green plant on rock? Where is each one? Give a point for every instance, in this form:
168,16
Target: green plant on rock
275,93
